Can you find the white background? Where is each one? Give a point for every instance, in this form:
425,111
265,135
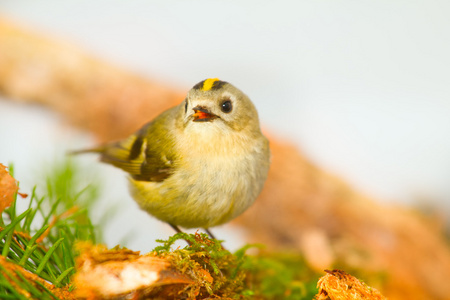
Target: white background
362,87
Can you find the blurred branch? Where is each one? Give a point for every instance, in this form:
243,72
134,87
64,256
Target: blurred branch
301,206
91,94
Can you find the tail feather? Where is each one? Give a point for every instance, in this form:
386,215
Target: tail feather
125,154
83,151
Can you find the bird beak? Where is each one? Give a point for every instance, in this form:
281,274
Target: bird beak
203,115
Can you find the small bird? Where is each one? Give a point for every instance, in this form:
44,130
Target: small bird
199,164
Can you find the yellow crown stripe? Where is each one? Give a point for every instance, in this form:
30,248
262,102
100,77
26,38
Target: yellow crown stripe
208,84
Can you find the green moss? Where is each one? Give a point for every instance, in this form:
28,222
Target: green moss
214,270
238,275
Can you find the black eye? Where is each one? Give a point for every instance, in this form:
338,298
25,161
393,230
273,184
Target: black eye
226,106
185,106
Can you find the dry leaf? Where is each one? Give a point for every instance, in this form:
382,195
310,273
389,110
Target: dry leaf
111,274
8,187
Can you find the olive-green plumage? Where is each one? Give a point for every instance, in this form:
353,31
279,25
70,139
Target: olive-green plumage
199,164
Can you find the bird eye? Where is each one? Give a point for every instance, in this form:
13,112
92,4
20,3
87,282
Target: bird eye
185,106
226,106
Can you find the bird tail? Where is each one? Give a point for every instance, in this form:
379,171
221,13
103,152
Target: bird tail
98,150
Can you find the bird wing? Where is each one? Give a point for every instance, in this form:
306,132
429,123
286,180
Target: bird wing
146,155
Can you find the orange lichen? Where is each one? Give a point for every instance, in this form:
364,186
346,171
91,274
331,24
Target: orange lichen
338,285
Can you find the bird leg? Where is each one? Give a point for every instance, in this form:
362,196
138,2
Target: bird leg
210,233
175,227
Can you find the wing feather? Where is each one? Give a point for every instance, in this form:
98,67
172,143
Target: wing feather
146,155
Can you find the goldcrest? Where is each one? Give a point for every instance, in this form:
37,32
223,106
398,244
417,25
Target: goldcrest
199,164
